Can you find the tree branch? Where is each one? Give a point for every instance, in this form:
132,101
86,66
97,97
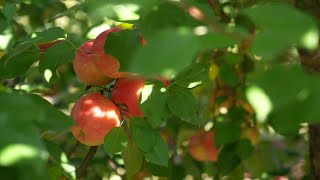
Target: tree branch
82,168
197,14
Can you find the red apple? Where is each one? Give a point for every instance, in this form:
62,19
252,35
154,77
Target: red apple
126,92
95,116
202,146
95,67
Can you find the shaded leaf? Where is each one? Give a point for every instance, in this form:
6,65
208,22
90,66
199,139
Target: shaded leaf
133,159
18,60
281,32
182,104
166,52
155,107
159,154
115,141
143,134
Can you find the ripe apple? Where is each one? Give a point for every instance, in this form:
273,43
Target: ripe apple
95,116
95,67
202,146
126,92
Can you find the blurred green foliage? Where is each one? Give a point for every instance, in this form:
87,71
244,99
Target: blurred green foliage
214,53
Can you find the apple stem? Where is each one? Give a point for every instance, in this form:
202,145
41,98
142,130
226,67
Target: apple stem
82,168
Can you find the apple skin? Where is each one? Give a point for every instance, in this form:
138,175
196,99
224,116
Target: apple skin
85,69
95,115
127,91
95,67
202,146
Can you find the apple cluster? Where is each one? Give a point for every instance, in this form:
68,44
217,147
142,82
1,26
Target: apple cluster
95,114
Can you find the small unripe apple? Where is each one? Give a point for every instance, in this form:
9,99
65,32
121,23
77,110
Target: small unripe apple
95,67
95,115
202,146
126,92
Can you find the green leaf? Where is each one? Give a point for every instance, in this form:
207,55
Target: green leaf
228,159
232,58
182,104
244,149
57,55
114,9
159,171
159,154
49,35
55,151
10,104
226,132
157,18
56,172
54,119
143,134
9,172
4,24
191,167
115,141
154,103
9,11
167,52
133,159
228,75
291,91
215,40
18,60
122,45
289,27
192,75
24,148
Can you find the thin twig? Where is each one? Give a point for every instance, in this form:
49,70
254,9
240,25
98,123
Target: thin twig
73,149
197,14
82,168
212,4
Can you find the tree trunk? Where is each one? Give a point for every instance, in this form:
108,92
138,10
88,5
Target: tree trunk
314,150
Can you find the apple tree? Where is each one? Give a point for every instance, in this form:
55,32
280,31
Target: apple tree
159,89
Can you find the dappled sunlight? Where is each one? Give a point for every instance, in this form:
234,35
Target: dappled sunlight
310,39
194,84
47,75
100,113
260,102
139,91
200,30
94,32
146,92
88,102
15,153
126,12
112,114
